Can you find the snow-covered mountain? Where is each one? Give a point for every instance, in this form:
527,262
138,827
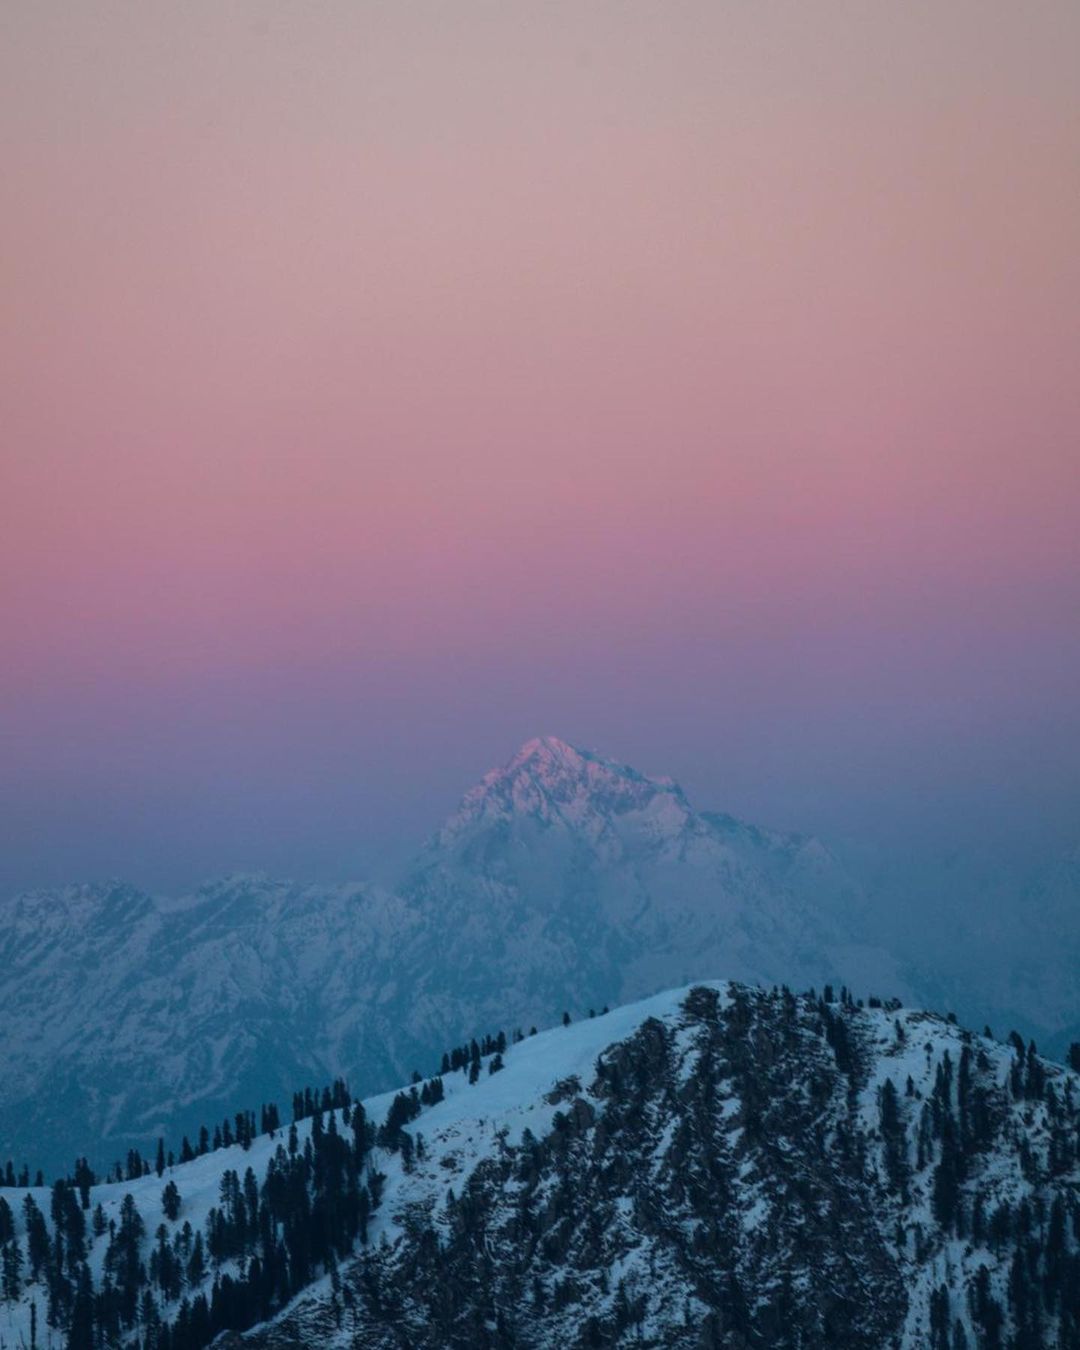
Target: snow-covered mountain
715,1166
569,880
564,880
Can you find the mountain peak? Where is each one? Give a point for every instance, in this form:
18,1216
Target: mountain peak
547,748
548,756
544,755
552,781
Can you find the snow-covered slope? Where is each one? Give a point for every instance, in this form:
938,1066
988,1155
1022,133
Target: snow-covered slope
713,1166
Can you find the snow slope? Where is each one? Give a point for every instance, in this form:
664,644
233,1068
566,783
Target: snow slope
706,1161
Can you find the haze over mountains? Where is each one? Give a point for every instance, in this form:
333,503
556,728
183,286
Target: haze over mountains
564,880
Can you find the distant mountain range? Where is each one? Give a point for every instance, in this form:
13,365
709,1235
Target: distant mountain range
564,880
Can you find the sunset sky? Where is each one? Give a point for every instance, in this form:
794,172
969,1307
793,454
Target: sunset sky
384,384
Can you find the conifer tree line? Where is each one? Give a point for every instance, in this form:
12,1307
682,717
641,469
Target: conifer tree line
310,1210
242,1128
264,1241
21,1178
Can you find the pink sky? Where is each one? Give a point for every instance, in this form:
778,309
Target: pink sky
506,368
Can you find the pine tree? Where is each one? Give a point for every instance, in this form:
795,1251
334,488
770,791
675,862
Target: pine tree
84,1179
170,1201
947,1178
895,1137
122,1258
37,1237
11,1271
196,1267
1035,1078
81,1330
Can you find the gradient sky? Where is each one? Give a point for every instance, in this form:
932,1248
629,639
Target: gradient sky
383,384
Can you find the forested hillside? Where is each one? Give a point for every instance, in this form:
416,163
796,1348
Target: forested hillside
715,1166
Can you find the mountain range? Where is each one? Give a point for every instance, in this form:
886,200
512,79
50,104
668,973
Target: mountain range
563,881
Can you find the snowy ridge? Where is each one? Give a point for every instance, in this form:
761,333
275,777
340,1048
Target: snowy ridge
716,1161
901,1255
